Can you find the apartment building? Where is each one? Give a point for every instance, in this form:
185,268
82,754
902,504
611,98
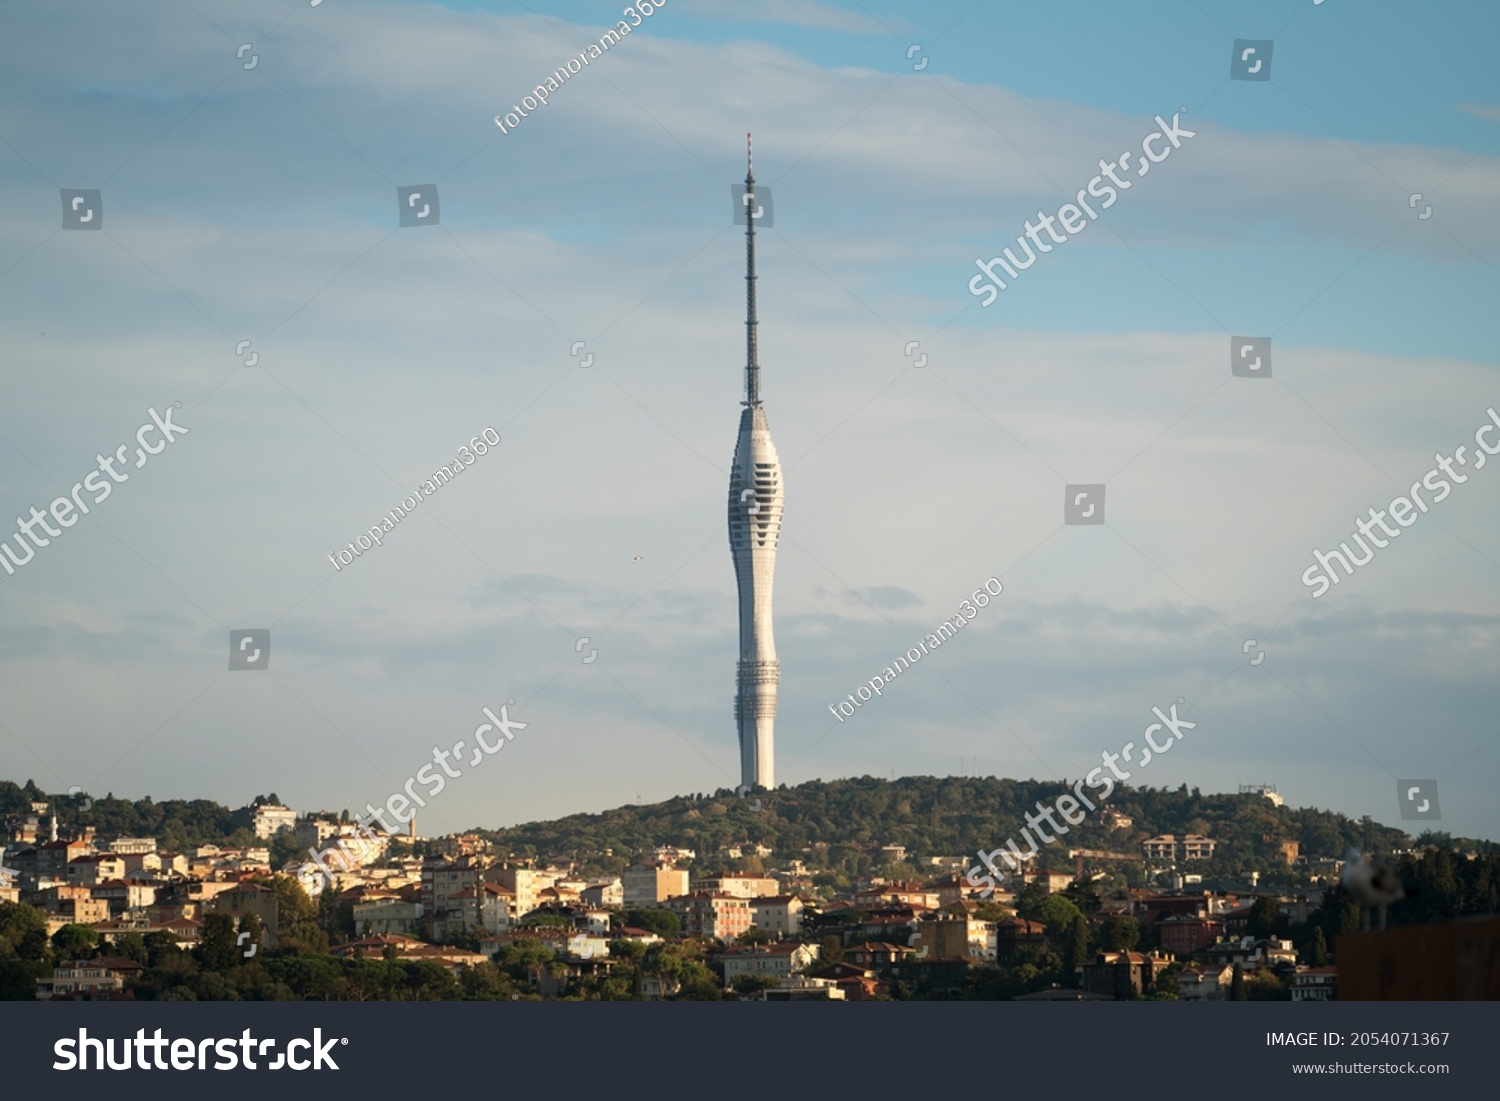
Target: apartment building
718,916
651,884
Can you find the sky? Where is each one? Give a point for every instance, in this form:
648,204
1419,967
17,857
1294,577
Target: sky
1343,210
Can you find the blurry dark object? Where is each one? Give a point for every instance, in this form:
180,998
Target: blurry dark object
1455,960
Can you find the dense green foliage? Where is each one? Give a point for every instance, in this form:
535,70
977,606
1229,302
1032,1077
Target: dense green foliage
177,824
833,825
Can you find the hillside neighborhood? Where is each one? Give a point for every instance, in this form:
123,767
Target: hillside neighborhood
87,916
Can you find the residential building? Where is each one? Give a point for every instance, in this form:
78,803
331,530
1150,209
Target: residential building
1017,933
1186,934
386,914
266,819
53,857
527,884
915,895
251,898
803,988
455,960
948,936
740,886
132,846
1315,984
125,894
778,961
780,915
640,936
313,830
878,956
857,983
459,915
608,892
1114,820
651,884
444,879
1169,846
72,978
69,905
1204,984
1252,954
94,868
1123,976
705,914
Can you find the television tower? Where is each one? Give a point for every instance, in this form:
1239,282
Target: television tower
755,502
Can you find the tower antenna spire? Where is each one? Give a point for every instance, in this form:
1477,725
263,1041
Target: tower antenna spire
752,325
755,504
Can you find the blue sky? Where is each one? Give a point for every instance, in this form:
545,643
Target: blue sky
260,205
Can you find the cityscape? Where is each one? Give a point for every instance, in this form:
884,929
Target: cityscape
290,905
1034,657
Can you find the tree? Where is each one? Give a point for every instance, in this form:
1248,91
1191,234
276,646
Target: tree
747,986
698,984
1029,900
1077,944
293,904
663,923
1317,956
831,951
1058,914
1082,893
1122,932
253,930
217,949
18,979
74,942
1265,917
1237,985
162,950
23,931
1265,986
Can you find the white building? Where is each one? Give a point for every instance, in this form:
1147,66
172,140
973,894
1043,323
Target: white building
779,914
755,504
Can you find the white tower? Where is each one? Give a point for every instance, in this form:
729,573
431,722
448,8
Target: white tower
755,501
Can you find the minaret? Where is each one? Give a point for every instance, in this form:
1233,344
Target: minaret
755,501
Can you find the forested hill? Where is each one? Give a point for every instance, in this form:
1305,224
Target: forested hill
947,816
842,822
